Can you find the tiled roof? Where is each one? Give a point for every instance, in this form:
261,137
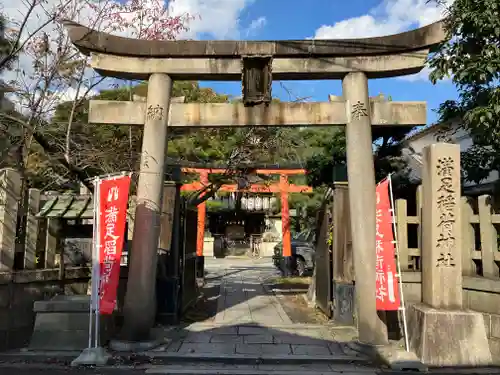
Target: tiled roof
68,206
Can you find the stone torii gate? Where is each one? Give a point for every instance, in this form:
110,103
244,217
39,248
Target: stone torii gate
256,64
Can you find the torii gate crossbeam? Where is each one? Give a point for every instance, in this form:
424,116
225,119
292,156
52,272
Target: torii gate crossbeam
283,187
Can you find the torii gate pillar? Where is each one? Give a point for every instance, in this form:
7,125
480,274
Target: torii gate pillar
361,178
142,271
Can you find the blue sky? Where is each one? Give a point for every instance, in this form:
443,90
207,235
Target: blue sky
294,19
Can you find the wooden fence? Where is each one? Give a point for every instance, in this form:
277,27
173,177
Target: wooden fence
480,249
480,245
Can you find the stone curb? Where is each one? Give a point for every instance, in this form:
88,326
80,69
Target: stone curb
66,366
253,359
38,357
167,371
168,358
395,359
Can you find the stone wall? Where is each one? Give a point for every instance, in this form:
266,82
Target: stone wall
19,290
30,269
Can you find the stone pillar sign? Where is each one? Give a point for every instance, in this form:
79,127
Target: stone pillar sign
441,333
10,192
441,231
32,224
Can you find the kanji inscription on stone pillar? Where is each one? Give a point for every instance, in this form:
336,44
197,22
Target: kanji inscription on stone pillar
441,237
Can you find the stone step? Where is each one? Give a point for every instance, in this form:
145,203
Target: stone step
257,369
167,371
252,359
299,369
294,326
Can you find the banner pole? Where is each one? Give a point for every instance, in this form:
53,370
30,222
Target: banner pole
98,262
398,264
93,273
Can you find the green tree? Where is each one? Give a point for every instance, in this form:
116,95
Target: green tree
331,161
95,147
99,149
472,59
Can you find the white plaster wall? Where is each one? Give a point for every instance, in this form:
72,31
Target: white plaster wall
456,135
274,226
208,246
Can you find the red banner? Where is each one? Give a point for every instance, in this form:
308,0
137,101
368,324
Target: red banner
387,281
113,200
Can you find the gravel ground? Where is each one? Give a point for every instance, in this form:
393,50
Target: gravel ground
297,309
290,293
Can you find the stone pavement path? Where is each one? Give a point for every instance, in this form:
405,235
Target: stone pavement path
243,298
250,321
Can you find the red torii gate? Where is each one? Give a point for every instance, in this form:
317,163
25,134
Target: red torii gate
282,187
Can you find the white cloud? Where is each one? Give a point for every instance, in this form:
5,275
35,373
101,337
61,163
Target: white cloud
256,25
423,75
71,94
390,17
358,27
218,19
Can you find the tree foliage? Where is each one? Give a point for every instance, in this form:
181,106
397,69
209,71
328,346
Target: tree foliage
100,149
472,58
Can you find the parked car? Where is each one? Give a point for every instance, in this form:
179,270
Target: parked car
303,251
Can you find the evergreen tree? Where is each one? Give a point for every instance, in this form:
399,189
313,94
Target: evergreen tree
472,59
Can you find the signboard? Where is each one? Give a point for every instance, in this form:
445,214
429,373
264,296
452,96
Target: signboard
113,200
167,216
386,271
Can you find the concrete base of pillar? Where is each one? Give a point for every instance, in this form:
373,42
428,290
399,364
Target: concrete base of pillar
396,358
288,266
200,267
344,307
448,338
92,357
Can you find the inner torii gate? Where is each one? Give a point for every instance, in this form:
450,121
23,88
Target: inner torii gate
256,64
283,187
